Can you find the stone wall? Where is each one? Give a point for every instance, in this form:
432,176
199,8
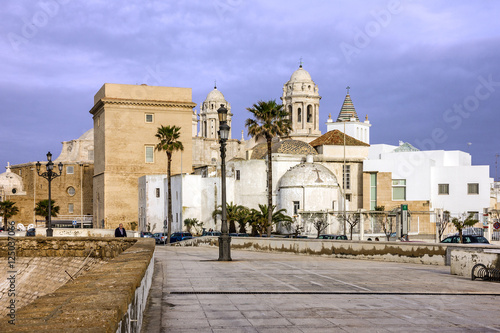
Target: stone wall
465,257
417,253
109,298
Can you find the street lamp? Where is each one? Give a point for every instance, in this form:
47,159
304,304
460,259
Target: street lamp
224,238
49,175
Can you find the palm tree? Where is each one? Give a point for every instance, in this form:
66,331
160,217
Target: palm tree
169,142
192,223
269,120
260,218
232,214
42,209
463,221
7,210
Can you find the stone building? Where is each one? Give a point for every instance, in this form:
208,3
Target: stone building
72,191
126,119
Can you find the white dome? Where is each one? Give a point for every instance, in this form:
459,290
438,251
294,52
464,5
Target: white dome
300,75
215,96
10,182
310,175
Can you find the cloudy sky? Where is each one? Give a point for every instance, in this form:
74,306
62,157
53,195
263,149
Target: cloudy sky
426,72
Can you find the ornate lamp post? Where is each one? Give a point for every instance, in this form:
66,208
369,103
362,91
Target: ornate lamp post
224,238
49,175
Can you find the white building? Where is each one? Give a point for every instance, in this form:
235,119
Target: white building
445,179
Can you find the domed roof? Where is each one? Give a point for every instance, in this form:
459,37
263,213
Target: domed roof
11,183
300,75
294,147
215,95
89,135
308,174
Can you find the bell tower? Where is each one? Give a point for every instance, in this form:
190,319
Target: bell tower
301,100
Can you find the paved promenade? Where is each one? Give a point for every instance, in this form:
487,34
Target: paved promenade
263,292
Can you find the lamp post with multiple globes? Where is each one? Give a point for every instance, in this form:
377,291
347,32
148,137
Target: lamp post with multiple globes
49,175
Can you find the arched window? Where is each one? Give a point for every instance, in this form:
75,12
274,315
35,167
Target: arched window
309,114
290,113
299,115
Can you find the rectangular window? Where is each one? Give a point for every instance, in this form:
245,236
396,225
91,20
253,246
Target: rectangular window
296,207
348,197
333,205
149,117
473,188
70,208
237,174
444,189
373,191
346,169
70,170
157,192
399,189
150,157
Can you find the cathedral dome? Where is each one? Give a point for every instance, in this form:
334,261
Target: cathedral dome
294,147
89,135
215,96
300,75
309,175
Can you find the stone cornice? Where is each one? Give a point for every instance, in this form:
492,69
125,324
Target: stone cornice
101,103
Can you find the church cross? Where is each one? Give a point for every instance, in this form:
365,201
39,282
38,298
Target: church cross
300,62
319,180
348,88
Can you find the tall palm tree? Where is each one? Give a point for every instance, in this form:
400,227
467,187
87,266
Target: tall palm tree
42,209
169,142
269,120
7,210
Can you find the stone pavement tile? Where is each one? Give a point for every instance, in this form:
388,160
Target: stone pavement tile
224,315
371,329
254,307
226,323
329,329
310,322
185,323
343,322
269,322
185,307
246,329
280,329
386,321
261,314
219,307
310,313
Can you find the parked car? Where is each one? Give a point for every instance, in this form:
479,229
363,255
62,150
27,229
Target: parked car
31,232
180,236
338,237
468,239
160,237
236,234
211,233
146,234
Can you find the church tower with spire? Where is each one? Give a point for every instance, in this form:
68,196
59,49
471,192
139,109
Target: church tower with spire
348,120
301,100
